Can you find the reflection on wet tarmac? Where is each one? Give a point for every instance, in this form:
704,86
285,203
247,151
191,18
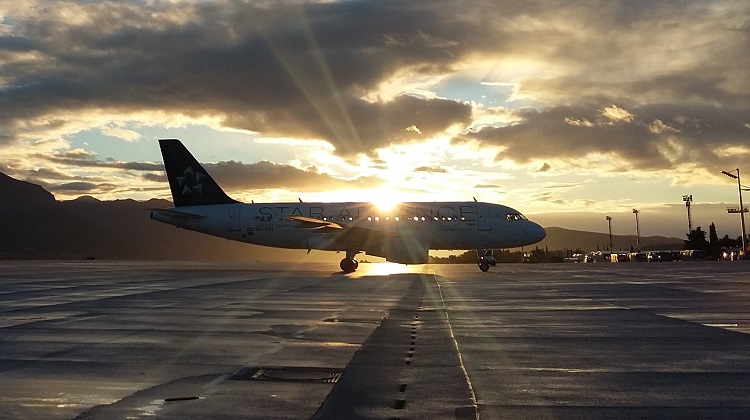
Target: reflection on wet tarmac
92,339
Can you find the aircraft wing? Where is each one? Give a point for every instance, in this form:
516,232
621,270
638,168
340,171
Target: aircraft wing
396,246
311,223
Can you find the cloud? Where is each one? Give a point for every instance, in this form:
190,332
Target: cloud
42,176
651,85
413,128
649,137
79,158
237,176
431,169
232,176
281,69
121,133
616,114
74,187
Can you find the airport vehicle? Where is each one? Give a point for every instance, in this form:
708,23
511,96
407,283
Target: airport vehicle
403,234
659,256
618,257
693,255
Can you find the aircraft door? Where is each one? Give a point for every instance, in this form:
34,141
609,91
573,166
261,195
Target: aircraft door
234,217
483,218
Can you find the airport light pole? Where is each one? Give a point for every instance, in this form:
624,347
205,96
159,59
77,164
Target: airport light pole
741,210
637,231
688,199
609,221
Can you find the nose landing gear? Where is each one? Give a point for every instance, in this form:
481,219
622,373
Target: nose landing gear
485,259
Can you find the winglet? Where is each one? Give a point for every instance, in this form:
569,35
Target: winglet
191,185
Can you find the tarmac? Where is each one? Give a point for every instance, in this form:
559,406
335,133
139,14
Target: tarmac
176,340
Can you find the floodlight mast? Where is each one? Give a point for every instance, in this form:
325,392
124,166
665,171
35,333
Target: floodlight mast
688,199
742,208
637,230
609,221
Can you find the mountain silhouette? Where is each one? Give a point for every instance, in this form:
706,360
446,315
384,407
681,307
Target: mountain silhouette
33,225
559,238
22,193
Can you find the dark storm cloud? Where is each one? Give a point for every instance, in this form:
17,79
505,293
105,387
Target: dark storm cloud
281,69
40,175
77,188
74,187
363,126
82,159
231,175
653,137
295,69
236,176
66,183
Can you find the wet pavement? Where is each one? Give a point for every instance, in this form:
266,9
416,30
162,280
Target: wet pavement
208,340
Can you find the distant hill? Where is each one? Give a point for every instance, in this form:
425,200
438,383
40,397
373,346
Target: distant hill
34,225
21,193
560,238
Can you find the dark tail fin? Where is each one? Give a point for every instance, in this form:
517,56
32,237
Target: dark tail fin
191,185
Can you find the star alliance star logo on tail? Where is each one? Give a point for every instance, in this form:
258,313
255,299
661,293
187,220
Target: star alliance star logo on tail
191,182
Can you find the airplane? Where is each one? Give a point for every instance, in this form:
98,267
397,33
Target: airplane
404,234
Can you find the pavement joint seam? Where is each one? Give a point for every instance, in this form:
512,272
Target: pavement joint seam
460,358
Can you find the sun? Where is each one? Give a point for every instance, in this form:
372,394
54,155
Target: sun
386,199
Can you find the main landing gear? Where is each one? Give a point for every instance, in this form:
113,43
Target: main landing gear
349,264
485,259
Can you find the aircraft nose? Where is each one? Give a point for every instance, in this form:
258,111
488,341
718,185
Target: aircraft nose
536,232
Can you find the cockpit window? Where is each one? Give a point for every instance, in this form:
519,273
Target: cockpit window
516,216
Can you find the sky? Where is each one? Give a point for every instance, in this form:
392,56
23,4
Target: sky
567,111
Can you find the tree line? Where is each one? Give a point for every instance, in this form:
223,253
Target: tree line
713,246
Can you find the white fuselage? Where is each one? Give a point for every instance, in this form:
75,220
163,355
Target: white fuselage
436,225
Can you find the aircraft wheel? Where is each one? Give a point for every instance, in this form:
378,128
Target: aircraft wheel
349,265
484,267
